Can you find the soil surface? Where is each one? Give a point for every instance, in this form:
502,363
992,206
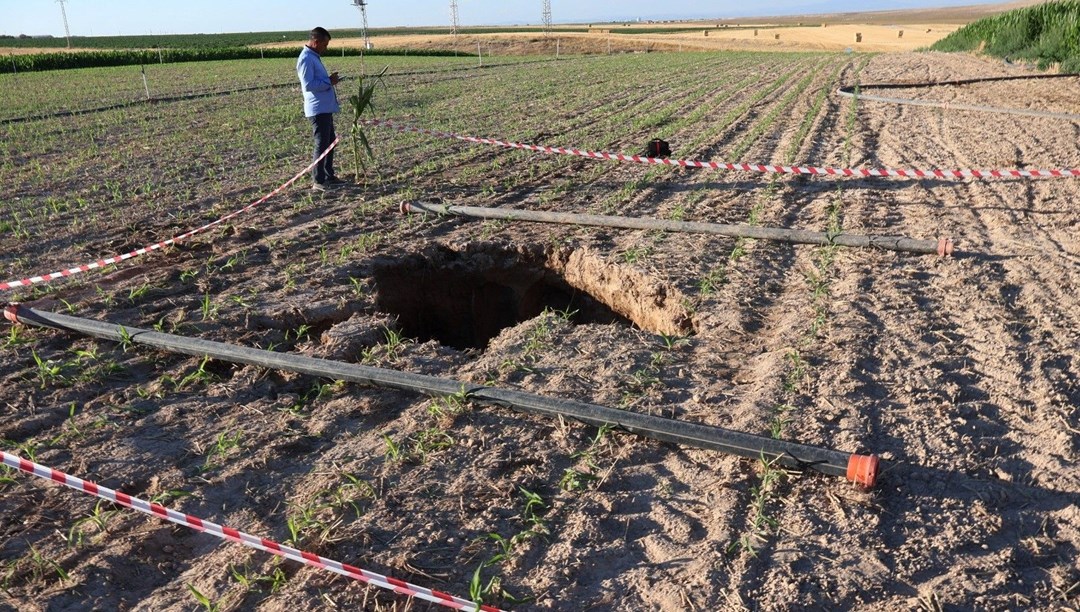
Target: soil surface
961,373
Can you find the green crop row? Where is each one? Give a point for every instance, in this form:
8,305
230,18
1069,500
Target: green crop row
96,59
1048,34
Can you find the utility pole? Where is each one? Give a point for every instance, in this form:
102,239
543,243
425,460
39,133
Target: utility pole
67,31
453,18
546,18
362,5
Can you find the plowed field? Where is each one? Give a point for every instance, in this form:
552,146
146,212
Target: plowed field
960,372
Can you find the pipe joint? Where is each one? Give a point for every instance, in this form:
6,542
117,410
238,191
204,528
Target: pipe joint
944,247
11,312
863,470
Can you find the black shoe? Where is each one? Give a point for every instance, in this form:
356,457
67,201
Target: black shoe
333,180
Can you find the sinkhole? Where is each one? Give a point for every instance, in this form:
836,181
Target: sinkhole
464,298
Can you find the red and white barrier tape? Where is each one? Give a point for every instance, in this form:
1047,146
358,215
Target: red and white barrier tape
226,533
101,263
689,163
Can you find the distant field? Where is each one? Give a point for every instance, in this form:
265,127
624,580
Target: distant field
797,32
763,38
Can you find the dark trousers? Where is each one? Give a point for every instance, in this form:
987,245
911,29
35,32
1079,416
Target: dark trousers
323,125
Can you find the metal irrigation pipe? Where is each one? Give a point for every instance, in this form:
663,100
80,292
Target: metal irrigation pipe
942,246
849,92
860,469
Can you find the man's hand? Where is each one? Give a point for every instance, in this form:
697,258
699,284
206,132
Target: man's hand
334,78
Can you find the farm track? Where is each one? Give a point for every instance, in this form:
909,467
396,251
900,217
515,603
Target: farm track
958,371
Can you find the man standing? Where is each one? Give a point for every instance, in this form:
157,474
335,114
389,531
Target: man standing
320,104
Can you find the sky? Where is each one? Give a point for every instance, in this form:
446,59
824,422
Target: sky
124,17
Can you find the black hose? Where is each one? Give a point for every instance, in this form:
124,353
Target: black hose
862,469
849,91
893,243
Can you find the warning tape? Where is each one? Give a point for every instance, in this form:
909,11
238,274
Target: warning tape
101,263
227,533
708,165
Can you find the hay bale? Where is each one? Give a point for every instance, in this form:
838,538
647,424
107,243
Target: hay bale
858,37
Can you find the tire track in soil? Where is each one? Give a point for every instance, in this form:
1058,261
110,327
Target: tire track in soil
952,384
995,223
775,575
730,503
749,575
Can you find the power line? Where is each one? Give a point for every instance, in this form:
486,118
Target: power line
547,17
453,18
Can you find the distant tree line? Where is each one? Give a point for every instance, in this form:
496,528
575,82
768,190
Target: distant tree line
34,62
218,41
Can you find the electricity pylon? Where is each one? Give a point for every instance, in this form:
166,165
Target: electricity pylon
362,5
67,31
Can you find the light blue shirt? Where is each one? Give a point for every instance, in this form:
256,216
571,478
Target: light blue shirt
319,94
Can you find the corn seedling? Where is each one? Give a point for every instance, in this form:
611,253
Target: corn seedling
449,406
534,505
761,523
250,580
357,285
200,376
574,480
41,565
99,518
167,496
136,293
712,281
222,446
348,494
796,374
780,420
47,370
360,104
430,441
203,600
636,254
126,341
15,337
208,308
393,451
